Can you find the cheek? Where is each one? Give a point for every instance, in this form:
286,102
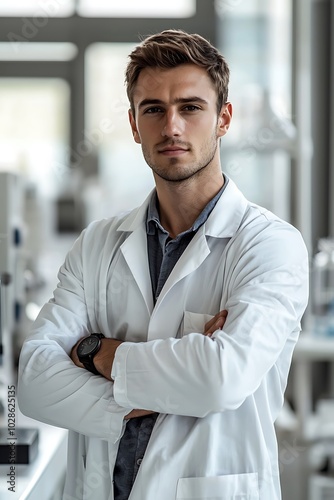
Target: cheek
144,134
150,135
205,130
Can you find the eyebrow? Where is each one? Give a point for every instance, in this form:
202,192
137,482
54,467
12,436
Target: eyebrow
178,100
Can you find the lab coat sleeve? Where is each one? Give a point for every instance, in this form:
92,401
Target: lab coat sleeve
51,387
197,375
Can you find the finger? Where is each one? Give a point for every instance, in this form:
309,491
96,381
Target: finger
210,323
221,316
218,324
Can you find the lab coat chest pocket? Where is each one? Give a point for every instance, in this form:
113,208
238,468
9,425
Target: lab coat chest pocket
194,322
229,487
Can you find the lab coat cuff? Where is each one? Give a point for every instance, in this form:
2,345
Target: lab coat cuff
117,425
118,374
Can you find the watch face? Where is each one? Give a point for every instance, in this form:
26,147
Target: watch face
88,346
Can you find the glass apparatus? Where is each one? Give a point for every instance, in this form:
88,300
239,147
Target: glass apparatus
323,288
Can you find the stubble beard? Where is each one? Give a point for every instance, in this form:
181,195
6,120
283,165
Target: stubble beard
173,173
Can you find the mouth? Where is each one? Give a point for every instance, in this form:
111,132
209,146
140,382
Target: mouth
173,151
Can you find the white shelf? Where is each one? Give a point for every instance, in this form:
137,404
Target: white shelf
312,348
40,479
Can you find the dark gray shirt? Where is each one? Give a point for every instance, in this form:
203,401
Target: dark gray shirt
163,254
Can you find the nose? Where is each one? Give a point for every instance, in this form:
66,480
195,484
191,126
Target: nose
173,126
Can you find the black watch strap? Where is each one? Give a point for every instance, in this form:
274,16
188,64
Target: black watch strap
89,365
88,361
99,335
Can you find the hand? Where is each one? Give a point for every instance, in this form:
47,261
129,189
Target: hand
104,359
215,323
138,413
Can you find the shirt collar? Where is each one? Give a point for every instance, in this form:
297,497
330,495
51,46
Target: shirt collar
153,220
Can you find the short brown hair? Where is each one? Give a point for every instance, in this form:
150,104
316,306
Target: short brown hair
169,49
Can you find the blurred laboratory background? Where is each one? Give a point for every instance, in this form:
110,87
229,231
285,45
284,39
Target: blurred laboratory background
67,157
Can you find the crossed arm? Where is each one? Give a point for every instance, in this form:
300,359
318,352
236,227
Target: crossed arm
104,359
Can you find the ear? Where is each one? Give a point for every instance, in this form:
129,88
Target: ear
134,129
224,119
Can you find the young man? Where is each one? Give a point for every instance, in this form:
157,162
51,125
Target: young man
198,295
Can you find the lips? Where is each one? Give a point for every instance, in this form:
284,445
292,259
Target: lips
173,150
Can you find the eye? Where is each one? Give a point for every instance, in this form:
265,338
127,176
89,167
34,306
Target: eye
152,110
191,107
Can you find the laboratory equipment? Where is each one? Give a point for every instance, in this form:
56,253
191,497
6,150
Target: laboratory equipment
11,281
21,451
323,288
17,445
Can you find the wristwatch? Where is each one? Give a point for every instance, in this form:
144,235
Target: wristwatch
86,350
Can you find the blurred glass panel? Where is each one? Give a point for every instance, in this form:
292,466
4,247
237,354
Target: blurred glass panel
37,51
256,39
135,8
34,134
123,179
37,8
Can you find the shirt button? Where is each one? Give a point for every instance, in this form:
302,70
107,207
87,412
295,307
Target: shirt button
139,461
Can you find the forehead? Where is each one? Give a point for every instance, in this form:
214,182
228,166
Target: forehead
182,81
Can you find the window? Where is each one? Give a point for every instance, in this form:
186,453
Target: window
257,151
37,8
135,8
37,51
34,130
124,179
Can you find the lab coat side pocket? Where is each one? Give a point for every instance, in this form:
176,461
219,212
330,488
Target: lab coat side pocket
229,487
194,322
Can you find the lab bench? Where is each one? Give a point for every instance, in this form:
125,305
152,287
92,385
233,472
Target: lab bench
44,477
315,426
309,350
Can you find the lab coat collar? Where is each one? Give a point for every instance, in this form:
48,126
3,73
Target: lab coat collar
137,216
223,221
227,215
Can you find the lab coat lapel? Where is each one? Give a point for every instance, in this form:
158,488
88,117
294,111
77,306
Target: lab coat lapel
134,250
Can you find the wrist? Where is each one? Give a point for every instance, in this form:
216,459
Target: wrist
103,360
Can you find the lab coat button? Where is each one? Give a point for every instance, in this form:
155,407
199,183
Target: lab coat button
139,461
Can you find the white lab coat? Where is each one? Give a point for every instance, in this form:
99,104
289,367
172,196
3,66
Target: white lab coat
217,397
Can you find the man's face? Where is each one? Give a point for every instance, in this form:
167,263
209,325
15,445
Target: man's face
176,121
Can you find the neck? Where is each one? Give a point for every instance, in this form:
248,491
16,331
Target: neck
180,203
